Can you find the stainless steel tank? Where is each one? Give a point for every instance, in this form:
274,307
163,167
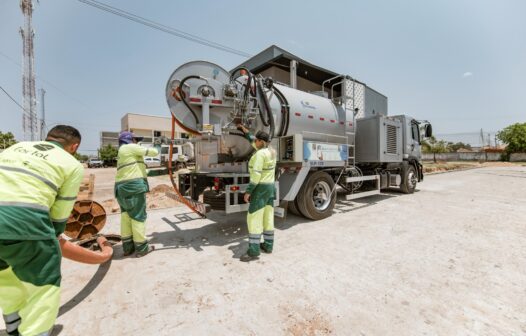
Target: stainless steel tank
210,103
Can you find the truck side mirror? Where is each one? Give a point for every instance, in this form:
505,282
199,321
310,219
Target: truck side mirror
428,131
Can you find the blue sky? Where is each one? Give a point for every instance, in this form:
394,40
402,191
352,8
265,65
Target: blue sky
459,64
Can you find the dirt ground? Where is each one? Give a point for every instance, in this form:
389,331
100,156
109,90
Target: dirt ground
104,183
447,260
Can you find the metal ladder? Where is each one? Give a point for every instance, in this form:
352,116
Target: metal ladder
350,136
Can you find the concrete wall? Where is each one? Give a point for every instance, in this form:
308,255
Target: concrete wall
473,156
518,157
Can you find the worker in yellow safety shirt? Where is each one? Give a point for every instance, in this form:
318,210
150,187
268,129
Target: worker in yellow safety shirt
39,183
131,186
261,194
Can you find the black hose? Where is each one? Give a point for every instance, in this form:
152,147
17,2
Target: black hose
285,113
183,97
249,80
266,105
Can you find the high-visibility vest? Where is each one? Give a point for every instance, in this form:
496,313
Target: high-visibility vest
39,183
130,162
262,166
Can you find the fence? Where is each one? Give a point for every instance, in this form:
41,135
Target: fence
472,156
518,157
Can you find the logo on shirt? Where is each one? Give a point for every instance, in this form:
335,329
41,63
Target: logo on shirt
43,147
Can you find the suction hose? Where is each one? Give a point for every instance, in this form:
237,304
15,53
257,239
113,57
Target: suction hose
263,97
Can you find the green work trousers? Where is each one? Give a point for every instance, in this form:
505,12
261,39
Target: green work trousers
30,285
260,218
133,223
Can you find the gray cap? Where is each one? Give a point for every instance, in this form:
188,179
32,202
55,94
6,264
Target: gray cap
261,135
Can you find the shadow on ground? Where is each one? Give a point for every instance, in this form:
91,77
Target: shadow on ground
220,229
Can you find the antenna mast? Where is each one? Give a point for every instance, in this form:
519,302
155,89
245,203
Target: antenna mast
29,121
43,118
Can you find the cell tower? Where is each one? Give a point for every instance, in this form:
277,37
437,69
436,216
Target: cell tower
29,121
43,116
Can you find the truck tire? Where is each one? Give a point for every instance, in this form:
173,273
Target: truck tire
293,208
410,179
313,199
217,201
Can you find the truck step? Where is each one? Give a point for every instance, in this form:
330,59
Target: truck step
362,194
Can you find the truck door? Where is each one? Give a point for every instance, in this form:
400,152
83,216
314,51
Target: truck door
414,143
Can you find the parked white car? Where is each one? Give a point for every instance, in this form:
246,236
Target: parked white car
152,162
95,163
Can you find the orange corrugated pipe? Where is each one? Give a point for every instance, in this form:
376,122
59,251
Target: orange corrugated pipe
77,253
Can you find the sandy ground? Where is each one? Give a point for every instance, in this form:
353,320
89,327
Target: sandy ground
447,260
105,181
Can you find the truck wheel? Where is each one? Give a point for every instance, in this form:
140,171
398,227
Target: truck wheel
408,185
316,197
293,208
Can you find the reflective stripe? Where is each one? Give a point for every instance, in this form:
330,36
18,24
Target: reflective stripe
254,235
257,171
268,235
38,177
26,205
254,241
12,321
64,198
10,318
129,164
44,334
62,220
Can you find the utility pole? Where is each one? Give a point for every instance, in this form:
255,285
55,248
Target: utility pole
43,119
29,121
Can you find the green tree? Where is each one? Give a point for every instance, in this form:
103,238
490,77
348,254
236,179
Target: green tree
81,157
432,145
514,136
6,140
453,147
108,153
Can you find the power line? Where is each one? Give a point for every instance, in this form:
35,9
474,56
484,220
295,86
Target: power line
13,99
43,80
163,28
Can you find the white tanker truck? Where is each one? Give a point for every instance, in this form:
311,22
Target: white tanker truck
320,143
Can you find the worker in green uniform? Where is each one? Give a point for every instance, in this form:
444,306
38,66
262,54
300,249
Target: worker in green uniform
261,194
131,186
39,182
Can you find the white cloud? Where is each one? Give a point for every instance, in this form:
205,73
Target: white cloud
467,74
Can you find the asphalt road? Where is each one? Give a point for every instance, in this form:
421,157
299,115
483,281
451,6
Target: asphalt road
448,260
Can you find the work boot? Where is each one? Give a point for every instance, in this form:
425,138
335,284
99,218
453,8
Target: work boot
247,257
266,247
251,254
127,246
140,254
